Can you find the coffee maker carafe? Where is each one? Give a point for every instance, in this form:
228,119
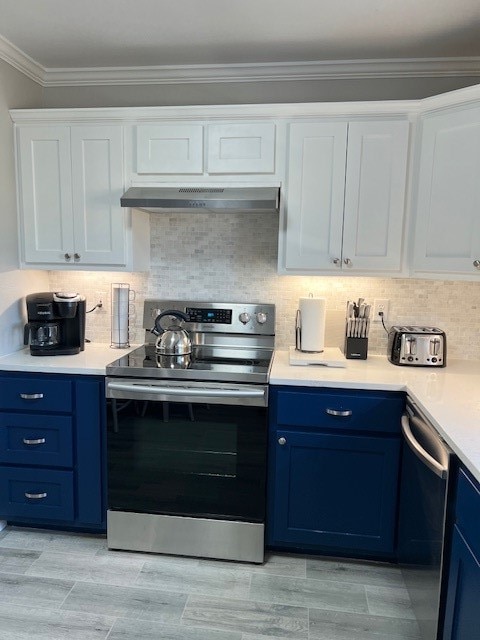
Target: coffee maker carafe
56,323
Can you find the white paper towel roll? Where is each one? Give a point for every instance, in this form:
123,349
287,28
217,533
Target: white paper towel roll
312,319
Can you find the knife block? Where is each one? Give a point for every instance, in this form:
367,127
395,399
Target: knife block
356,348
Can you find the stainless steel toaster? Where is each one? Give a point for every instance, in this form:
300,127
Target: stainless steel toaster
417,346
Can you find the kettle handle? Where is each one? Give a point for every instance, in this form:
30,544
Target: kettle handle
158,329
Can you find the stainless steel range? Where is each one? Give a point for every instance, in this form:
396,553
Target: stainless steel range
187,432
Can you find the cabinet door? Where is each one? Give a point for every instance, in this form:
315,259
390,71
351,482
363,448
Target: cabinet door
333,491
241,148
315,196
375,195
447,229
97,176
463,595
170,149
45,183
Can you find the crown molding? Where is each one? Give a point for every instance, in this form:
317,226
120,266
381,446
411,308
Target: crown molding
231,73
20,61
265,72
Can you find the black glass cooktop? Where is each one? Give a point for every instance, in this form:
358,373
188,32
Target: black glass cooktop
233,365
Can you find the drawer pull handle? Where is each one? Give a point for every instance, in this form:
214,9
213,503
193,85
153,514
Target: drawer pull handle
35,496
31,396
32,442
336,412
282,441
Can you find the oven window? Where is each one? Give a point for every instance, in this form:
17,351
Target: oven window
188,459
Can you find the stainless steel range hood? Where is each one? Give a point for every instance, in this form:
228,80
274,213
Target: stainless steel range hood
161,199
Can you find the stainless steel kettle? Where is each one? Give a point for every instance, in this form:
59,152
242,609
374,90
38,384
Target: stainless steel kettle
174,340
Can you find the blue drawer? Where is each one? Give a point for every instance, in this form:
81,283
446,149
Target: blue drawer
36,493
366,411
467,512
36,440
36,394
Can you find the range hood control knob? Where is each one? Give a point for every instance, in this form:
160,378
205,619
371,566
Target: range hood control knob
244,317
261,317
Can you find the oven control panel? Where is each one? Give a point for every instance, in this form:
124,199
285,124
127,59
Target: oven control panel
219,317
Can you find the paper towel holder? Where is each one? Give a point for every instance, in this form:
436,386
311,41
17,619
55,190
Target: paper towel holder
298,330
299,326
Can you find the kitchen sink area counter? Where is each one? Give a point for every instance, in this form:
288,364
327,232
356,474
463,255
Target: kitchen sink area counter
449,397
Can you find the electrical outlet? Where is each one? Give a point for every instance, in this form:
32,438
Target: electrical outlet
100,297
380,305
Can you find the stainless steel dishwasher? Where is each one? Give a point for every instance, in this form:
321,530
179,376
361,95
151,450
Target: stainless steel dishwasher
424,491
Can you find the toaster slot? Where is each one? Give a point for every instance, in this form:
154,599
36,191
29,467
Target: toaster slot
410,345
434,346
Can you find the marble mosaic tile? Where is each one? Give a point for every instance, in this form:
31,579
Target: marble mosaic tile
234,258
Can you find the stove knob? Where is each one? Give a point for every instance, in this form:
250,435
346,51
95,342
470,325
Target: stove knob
244,317
261,317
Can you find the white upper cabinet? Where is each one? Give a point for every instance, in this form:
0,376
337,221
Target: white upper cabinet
447,208
98,220
45,194
241,148
315,193
70,181
345,197
170,149
373,223
203,150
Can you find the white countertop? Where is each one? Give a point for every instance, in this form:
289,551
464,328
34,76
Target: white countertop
449,397
92,361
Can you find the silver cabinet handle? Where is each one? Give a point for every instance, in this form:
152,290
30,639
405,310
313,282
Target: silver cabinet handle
282,441
31,396
337,262
76,256
35,496
476,264
348,262
337,412
68,256
35,441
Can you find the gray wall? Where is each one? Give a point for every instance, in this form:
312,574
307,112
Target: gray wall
252,92
16,90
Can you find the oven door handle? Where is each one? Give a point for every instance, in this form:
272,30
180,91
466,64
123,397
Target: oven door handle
189,391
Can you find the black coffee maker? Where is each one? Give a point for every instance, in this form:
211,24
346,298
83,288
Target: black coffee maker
56,324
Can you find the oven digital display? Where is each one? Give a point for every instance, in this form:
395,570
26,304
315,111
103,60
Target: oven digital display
217,316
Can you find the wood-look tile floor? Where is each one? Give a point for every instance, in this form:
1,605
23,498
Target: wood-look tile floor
59,586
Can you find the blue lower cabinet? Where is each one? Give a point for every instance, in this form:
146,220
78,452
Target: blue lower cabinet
461,614
334,492
334,459
462,618
52,450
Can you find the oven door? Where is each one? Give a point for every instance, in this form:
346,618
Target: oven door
187,449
